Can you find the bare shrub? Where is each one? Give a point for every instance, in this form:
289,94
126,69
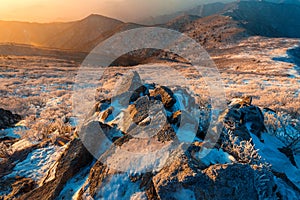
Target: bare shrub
243,151
41,129
285,128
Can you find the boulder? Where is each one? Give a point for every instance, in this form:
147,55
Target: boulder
139,109
20,187
129,82
165,95
242,119
106,113
128,90
145,149
167,133
140,91
183,176
175,118
73,159
253,118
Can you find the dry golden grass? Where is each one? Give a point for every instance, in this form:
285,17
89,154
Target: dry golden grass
40,88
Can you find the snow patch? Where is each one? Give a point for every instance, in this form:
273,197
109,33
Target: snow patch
37,163
139,157
73,186
119,186
213,156
11,132
297,160
286,191
280,162
184,194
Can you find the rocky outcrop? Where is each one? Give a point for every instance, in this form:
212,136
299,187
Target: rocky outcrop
141,152
165,95
8,119
74,158
184,172
242,118
129,89
235,181
20,187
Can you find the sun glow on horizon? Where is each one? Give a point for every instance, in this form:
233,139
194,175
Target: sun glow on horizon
69,10
46,10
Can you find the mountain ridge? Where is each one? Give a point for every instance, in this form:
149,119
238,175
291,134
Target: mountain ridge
60,35
254,17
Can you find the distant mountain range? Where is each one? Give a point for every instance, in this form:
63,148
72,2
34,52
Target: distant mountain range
268,19
70,35
217,21
278,1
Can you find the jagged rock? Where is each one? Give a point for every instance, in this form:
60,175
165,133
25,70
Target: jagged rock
165,94
60,140
119,142
129,89
97,175
175,118
129,82
253,117
7,165
8,119
106,113
232,119
140,91
20,187
92,136
140,148
238,181
104,104
180,170
242,133
144,118
243,101
73,159
167,133
148,186
226,181
101,174
139,109
185,99
242,118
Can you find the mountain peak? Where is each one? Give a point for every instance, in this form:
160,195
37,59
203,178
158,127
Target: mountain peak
98,17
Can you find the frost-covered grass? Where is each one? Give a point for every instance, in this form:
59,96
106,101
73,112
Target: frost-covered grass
285,128
279,162
40,89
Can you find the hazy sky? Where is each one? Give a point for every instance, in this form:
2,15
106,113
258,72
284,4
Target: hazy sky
66,10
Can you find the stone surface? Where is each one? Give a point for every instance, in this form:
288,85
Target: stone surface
165,94
142,145
223,181
139,109
73,159
242,118
20,187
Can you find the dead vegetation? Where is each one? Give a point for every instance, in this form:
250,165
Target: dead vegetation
40,88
